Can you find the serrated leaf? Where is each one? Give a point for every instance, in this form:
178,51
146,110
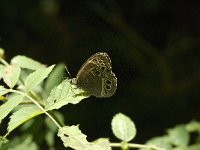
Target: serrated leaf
7,107
64,94
179,136
22,115
54,78
74,138
11,75
1,70
37,77
123,127
3,90
26,62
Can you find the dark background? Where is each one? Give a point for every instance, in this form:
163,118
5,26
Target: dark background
154,46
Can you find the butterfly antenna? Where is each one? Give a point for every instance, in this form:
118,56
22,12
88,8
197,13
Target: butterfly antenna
68,72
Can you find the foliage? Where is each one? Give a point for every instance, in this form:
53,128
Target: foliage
30,89
179,138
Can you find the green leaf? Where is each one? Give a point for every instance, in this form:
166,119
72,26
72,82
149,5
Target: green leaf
64,94
26,62
7,107
123,127
22,115
72,137
1,70
3,90
37,77
11,75
179,136
54,78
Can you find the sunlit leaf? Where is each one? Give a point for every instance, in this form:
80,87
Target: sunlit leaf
11,75
72,137
64,94
26,62
7,107
37,77
22,115
123,127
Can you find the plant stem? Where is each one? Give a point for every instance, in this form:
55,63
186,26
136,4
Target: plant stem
37,104
132,145
4,62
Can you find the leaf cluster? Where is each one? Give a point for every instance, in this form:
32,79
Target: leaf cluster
30,89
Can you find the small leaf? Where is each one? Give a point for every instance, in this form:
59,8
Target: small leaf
179,136
26,62
11,75
54,78
22,115
3,90
64,94
123,127
37,77
7,107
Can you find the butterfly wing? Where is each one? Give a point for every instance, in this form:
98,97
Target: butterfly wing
96,76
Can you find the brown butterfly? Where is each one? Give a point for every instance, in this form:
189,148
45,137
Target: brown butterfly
96,76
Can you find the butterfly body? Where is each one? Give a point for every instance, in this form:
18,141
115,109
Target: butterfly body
96,76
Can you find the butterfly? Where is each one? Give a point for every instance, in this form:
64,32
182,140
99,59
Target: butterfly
96,76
